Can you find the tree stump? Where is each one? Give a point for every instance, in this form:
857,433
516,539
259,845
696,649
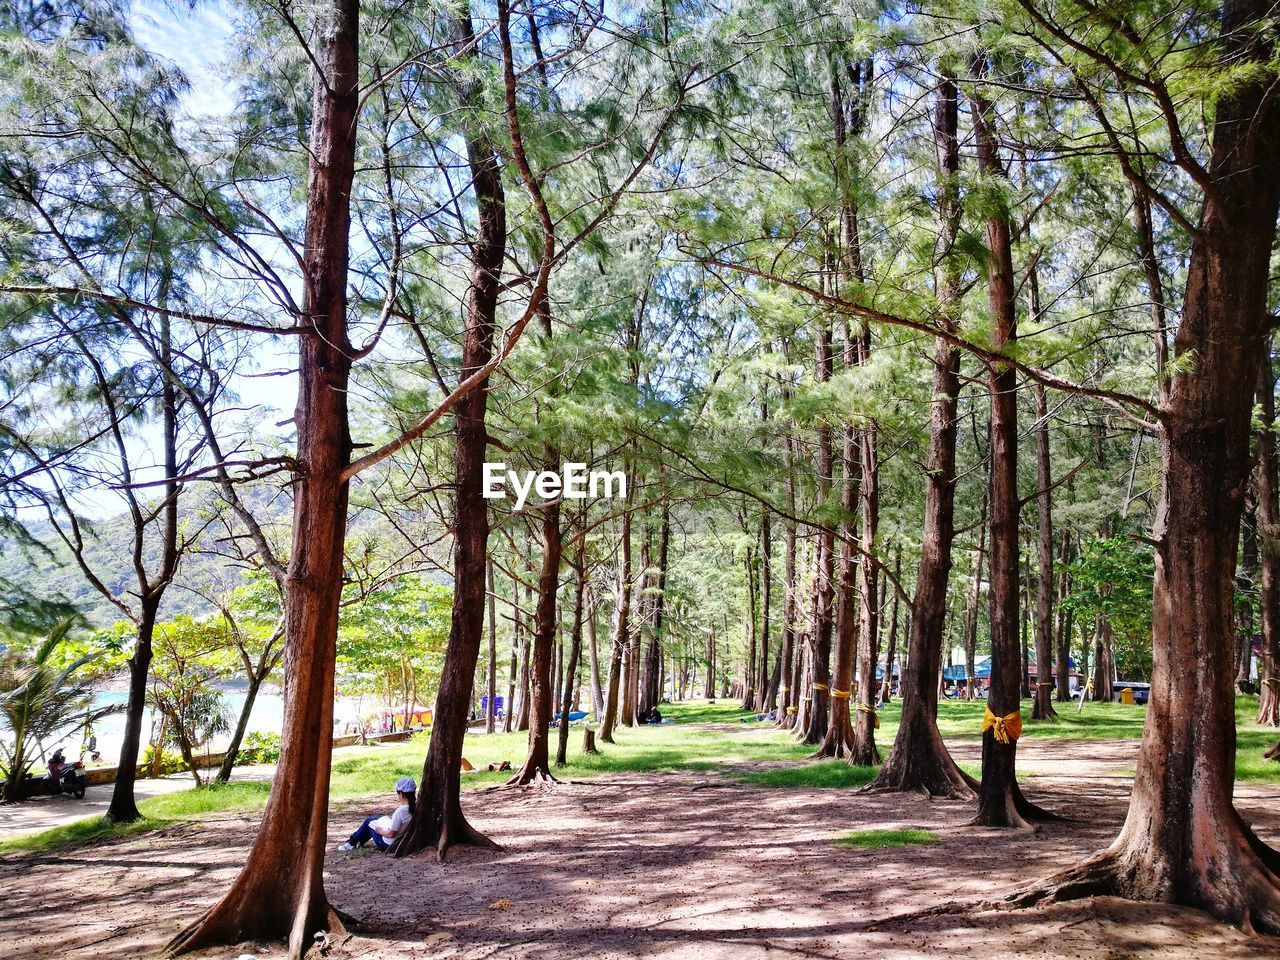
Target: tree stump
589,740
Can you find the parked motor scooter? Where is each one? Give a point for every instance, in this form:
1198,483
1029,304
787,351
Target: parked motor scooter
67,777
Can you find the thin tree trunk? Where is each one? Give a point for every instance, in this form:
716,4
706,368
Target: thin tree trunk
575,652
891,654
536,768
597,692
621,632
438,821
1266,494
1063,640
491,683
769,677
1000,801
819,713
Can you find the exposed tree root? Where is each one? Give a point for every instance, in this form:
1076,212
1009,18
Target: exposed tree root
1014,811
838,742
230,922
919,762
940,784
453,830
532,775
1238,884
460,833
1273,753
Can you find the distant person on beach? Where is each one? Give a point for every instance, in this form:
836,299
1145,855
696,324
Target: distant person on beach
382,830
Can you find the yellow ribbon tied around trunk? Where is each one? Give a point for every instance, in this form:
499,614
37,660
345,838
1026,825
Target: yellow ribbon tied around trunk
875,717
1007,728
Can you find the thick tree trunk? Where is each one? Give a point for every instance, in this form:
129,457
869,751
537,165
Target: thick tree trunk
1183,841
919,760
438,821
280,890
1103,689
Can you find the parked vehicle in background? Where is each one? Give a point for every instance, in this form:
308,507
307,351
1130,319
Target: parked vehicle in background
1141,691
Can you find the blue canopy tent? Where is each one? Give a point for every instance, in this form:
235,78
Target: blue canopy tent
958,673
880,672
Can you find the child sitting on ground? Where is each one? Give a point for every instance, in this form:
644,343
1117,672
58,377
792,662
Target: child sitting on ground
382,830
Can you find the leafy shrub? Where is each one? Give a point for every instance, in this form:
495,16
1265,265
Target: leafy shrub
169,762
259,748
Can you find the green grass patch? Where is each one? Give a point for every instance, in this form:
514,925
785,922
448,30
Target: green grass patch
89,830
820,773
873,839
707,711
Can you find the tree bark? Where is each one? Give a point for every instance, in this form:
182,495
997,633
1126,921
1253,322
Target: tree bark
621,632
1183,841
1043,709
651,692
1266,481
536,768
767,691
280,890
575,653
123,808
815,730
865,753
438,820
891,654
1000,801
788,702
491,682
919,761
1062,640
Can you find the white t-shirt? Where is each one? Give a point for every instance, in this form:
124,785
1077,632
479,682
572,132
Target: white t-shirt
397,821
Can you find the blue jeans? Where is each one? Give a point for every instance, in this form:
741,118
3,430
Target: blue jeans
364,833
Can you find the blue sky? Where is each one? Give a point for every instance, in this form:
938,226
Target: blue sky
197,40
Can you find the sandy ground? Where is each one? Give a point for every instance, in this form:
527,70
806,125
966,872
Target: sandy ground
672,866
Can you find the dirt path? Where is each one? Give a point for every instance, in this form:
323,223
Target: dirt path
672,866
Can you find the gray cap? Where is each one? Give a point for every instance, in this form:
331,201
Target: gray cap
406,785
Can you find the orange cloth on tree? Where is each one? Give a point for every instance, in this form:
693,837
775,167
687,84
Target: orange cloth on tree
1007,728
